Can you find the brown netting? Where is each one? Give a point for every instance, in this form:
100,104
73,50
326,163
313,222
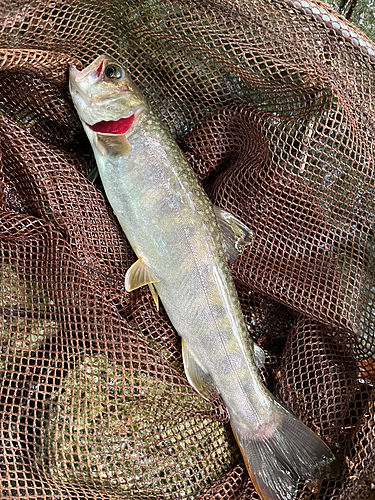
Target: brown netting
273,103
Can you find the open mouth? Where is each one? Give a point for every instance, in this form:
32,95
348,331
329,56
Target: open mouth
120,126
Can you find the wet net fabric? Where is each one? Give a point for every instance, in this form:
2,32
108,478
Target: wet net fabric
273,104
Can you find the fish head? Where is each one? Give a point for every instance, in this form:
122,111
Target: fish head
105,97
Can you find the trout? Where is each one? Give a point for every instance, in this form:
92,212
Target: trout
183,244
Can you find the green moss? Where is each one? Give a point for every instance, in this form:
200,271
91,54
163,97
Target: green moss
22,326
19,290
125,431
19,339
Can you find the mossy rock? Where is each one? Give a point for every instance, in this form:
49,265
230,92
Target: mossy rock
23,327
122,431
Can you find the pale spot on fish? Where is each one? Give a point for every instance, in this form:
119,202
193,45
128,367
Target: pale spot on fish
238,362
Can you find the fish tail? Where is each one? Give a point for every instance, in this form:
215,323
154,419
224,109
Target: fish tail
281,454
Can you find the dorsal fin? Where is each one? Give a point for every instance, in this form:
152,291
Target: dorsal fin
236,235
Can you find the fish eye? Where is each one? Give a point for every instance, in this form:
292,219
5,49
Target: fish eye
114,71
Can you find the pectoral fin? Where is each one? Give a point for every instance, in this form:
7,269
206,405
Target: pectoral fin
93,174
196,374
112,145
139,274
236,235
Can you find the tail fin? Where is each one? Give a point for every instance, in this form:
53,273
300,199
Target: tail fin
286,453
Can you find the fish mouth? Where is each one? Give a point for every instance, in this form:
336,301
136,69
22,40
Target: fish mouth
121,126
115,127
94,68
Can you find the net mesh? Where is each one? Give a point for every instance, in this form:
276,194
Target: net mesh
273,104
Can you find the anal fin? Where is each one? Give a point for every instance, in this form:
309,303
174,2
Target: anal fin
197,376
236,235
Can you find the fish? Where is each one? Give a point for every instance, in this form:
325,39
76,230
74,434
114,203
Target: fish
183,245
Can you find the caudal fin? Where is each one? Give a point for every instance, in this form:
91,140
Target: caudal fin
283,454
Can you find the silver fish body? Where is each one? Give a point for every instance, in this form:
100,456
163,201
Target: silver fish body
174,230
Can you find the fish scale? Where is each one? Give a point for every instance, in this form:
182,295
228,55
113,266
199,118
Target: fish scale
180,240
